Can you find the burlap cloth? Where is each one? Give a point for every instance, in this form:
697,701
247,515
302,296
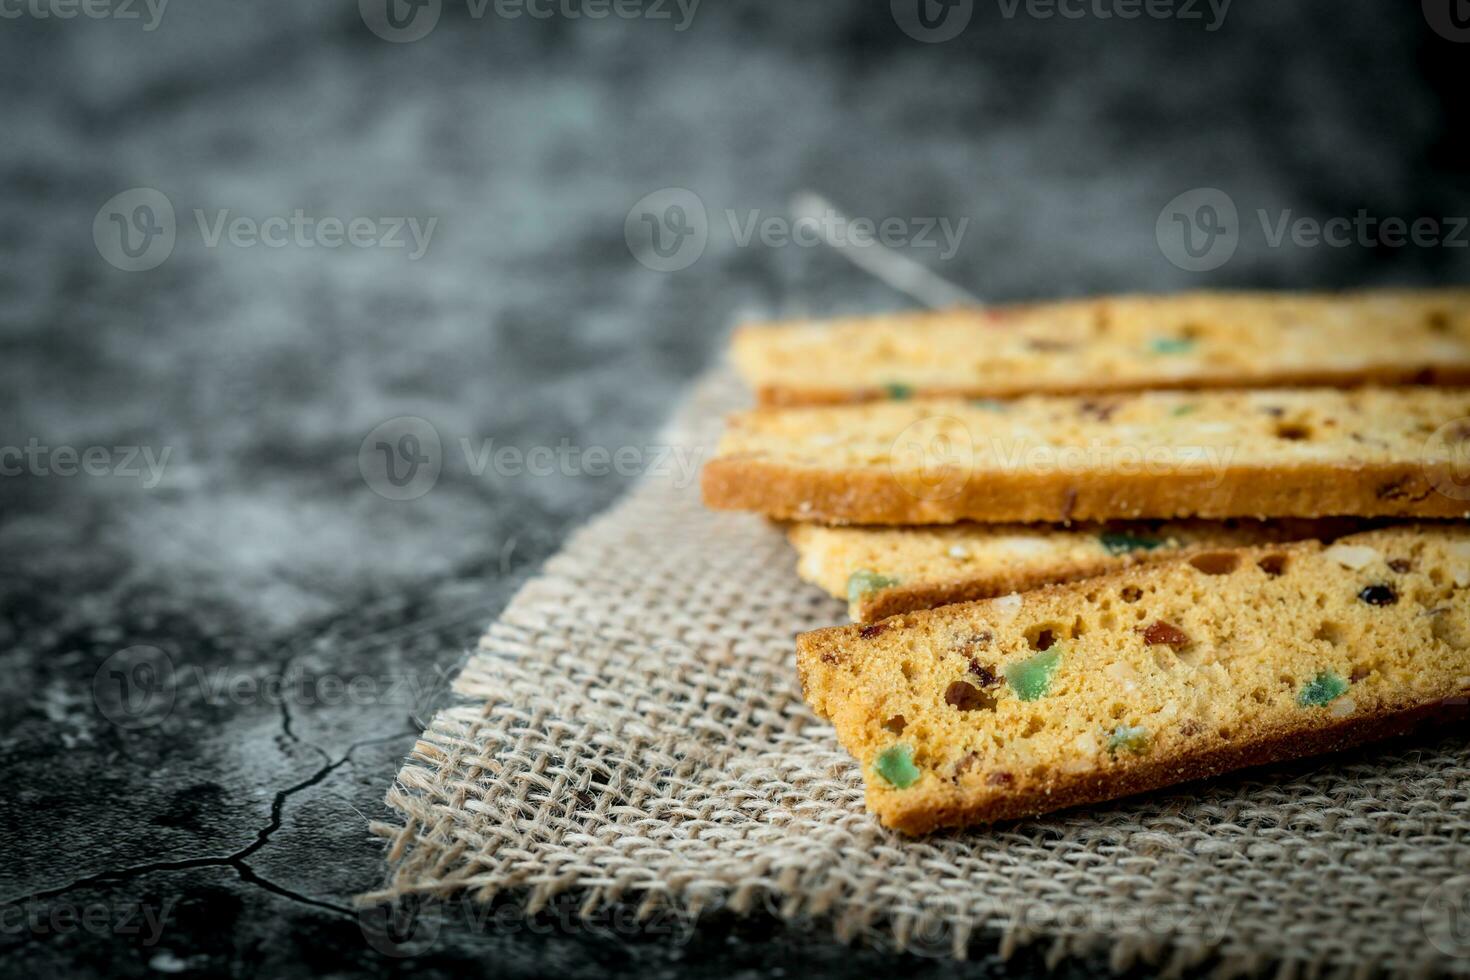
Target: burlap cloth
632,731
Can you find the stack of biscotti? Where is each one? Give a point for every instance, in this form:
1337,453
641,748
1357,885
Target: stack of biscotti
1106,545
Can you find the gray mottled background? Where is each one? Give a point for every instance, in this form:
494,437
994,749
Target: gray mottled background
232,802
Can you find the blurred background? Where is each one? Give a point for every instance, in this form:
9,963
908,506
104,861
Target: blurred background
238,239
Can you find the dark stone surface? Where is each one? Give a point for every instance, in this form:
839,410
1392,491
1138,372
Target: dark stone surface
310,624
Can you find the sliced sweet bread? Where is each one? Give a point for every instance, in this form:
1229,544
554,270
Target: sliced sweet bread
1278,453
1155,675
882,571
1189,340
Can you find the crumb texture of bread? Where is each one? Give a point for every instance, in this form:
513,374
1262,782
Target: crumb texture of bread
1188,340
1155,675
883,571
1277,453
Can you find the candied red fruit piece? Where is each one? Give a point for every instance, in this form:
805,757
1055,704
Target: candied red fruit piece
1165,633
967,697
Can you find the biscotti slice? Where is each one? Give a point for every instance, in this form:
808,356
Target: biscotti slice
1278,453
1163,673
882,571
1190,340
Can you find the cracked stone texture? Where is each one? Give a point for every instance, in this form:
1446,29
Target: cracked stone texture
267,570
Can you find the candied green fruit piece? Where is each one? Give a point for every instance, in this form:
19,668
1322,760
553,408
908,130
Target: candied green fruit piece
1134,738
898,391
1325,688
896,765
864,580
1120,542
1183,410
1031,678
1171,345
989,404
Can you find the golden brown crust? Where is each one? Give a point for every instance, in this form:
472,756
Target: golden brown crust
777,396
876,496
938,565
891,601
1077,789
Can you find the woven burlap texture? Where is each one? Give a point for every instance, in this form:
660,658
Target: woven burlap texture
632,730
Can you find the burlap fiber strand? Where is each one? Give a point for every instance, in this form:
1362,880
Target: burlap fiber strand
632,731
